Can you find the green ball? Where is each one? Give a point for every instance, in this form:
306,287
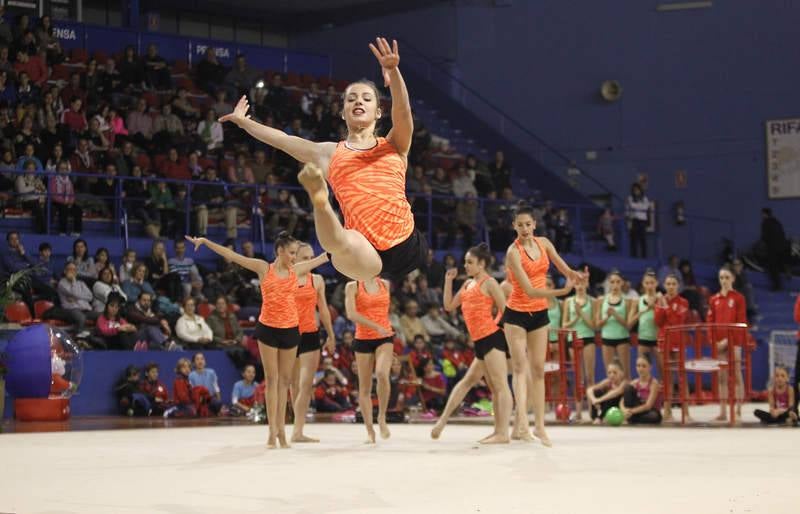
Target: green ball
614,417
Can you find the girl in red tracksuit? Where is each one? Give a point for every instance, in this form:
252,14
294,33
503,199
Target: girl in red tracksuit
155,390
728,306
184,405
671,309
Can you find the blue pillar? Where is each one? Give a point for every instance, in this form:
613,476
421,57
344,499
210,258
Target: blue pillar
130,14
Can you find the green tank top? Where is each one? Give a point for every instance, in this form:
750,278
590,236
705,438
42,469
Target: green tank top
613,329
648,331
554,315
582,330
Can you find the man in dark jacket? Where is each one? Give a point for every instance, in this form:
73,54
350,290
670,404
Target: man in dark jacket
774,239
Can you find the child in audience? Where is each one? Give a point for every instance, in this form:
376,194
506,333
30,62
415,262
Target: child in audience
419,353
329,396
206,378
434,387
244,392
154,389
126,266
130,398
781,401
641,402
183,404
606,393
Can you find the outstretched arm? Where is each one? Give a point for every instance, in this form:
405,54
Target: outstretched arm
402,121
299,148
255,265
301,268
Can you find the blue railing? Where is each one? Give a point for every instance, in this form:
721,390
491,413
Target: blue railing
436,214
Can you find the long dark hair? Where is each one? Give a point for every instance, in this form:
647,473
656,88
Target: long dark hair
482,253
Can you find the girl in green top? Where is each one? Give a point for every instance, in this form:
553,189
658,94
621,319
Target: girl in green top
611,317
579,316
644,312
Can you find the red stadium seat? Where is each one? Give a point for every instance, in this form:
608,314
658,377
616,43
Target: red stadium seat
101,57
40,307
180,66
79,55
18,312
205,309
143,161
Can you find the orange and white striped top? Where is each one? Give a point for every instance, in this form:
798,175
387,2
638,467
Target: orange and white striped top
537,274
477,310
278,307
305,297
374,307
370,186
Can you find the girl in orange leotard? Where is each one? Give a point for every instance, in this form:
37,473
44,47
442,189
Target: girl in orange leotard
366,174
525,318
277,328
367,305
310,299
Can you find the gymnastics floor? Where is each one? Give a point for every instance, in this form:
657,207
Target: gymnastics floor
226,469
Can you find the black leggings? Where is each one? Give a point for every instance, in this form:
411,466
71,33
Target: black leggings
631,400
769,419
604,406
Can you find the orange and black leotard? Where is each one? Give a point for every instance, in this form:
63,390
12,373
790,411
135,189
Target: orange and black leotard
374,307
477,310
536,270
306,299
370,186
278,307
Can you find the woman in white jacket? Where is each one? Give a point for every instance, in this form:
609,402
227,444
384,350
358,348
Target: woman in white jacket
104,287
192,328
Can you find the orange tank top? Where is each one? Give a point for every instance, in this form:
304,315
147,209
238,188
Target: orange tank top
374,307
537,275
276,310
305,297
370,186
477,310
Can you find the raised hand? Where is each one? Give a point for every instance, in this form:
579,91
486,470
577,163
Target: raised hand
196,241
451,274
239,113
388,56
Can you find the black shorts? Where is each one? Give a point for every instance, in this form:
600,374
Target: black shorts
530,321
647,343
401,259
370,345
309,342
615,342
494,341
587,341
280,338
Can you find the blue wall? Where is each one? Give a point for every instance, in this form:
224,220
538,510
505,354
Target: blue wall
698,86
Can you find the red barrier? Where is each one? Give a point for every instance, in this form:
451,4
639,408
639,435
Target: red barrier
563,366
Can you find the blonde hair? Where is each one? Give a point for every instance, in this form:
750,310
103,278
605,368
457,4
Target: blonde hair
181,362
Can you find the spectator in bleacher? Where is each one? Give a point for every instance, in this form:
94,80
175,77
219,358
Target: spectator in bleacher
222,106
26,135
114,330
741,283
44,264
191,328
27,43
131,70
194,166
54,134
416,179
240,173
412,324
433,386
183,107
563,232
153,329
15,259
173,168
637,209
500,171
310,99
241,78
117,124
244,392
98,141
74,118
463,184
126,266
48,41
161,200
32,67
185,268
154,389
206,377
125,161
75,298
104,192
73,89
62,196
31,195
56,158
139,203
5,63
84,262
210,132
102,260
437,327
156,70
424,294
672,267
277,98
467,219
8,93
92,82
82,161
27,92
227,334
433,270
168,130
209,72
285,213
104,287
111,84
296,128
140,124
182,403
160,275
330,396
605,229
260,167
690,290
28,155
210,198
778,248
138,283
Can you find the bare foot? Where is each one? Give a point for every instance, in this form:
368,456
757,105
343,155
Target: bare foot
385,433
370,437
597,421
542,436
487,437
495,439
313,181
271,442
300,438
525,436
437,430
282,440
721,417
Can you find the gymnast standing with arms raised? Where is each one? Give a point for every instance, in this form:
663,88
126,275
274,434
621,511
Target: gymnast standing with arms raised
277,330
367,174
